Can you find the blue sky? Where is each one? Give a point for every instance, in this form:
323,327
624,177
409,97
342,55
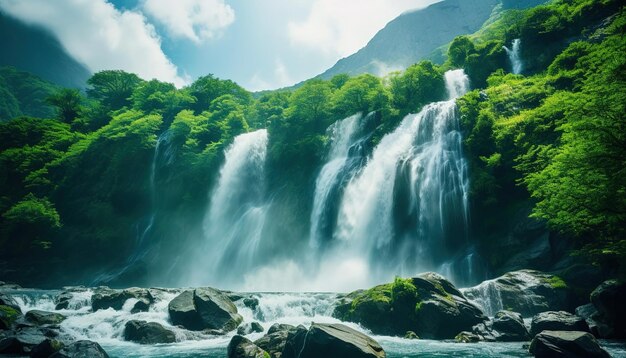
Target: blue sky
261,44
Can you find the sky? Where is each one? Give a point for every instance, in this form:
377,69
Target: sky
260,44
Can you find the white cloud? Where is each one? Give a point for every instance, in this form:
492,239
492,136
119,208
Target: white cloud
100,36
280,78
196,20
340,28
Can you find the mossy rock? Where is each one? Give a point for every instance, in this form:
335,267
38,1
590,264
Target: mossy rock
428,305
8,316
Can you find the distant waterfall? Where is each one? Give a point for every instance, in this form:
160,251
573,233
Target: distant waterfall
345,155
236,215
407,210
515,57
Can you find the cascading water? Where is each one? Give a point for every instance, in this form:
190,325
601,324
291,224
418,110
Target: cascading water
236,215
407,210
345,156
515,57
163,155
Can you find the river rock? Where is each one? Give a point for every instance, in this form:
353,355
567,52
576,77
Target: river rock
509,327
39,318
22,340
557,321
81,349
8,300
202,309
338,340
63,300
526,291
8,316
105,297
248,328
285,341
280,327
608,299
566,344
467,337
147,333
428,305
241,347
46,348
251,302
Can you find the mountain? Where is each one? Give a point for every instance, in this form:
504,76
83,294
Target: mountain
32,49
415,35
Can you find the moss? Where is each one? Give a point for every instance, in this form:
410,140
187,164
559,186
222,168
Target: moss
8,315
418,307
557,283
380,293
403,290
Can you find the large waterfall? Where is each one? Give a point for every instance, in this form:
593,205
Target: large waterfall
345,155
406,211
515,57
234,221
397,210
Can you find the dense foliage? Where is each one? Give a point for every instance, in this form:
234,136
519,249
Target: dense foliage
78,170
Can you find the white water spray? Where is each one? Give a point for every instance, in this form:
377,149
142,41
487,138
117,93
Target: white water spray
236,215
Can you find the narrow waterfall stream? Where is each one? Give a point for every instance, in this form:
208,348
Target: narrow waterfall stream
515,57
163,155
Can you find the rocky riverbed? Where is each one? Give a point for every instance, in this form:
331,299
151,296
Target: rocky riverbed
420,316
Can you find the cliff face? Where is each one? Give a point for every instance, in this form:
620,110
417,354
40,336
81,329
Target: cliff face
413,36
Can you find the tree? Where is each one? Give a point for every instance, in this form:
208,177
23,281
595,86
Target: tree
160,97
420,84
113,88
30,222
364,93
68,104
206,89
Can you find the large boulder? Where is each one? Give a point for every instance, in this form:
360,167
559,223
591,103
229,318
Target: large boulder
557,321
428,305
81,349
204,308
241,347
46,348
509,327
338,340
39,317
526,291
22,340
566,344
105,297
8,316
608,299
147,333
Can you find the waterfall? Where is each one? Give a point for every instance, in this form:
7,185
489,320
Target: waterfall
162,156
236,215
345,155
515,56
407,210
